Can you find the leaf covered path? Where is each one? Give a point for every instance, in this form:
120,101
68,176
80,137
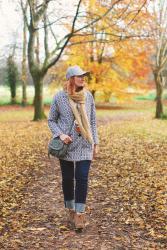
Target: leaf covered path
126,200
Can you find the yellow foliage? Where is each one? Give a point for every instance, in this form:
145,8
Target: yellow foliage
127,63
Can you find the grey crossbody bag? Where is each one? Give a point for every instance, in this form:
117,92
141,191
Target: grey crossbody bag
57,147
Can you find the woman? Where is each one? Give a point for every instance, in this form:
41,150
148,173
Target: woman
74,108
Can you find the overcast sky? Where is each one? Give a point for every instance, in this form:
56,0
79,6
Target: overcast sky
9,23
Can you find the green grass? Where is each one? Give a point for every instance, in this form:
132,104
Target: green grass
5,95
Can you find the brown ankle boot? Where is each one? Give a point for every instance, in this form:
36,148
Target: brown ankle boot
79,220
70,215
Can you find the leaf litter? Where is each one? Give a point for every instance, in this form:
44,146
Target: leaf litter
126,203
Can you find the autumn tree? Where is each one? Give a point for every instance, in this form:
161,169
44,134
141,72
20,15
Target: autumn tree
37,20
109,46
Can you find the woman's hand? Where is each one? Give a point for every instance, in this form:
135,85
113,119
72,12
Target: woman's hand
65,138
95,151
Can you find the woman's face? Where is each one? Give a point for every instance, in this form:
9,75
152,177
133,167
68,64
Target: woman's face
79,81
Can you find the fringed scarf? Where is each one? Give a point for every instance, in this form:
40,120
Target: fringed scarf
80,114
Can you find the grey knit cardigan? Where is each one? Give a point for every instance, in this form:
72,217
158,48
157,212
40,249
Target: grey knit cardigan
61,119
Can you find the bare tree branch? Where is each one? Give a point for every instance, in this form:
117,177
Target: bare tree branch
46,36
75,17
24,10
51,23
66,38
138,11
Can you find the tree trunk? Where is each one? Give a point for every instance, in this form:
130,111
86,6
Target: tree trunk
24,80
24,93
159,91
38,100
24,73
13,93
37,48
37,76
13,100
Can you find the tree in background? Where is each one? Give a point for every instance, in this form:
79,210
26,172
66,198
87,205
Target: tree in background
24,58
38,19
125,65
159,37
12,77
106,48
113,49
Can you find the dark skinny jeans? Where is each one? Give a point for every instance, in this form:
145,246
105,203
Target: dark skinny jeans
75,197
